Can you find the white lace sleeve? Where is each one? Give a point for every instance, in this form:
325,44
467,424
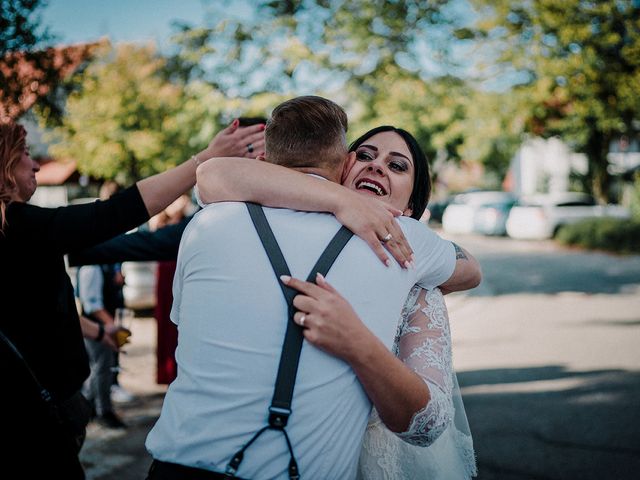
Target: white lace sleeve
423,343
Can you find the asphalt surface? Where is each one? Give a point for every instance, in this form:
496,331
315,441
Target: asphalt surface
547,356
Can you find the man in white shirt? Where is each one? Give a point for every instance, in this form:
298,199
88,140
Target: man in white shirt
232,316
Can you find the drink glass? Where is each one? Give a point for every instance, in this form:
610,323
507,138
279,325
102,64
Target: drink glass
123,320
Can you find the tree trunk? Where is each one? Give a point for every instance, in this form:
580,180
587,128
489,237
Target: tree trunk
597,149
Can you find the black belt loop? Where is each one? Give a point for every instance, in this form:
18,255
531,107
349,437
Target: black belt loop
280,408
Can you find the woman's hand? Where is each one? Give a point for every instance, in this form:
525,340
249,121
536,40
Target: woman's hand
374,221
158,191
330,324
329,321
235,141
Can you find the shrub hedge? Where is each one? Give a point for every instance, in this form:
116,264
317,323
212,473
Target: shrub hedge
616,235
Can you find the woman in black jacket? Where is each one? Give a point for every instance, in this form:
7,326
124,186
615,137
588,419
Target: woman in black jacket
38,313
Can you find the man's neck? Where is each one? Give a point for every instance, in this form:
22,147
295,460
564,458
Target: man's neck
321,172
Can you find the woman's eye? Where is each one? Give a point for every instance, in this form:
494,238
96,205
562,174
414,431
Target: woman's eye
398,166
363,155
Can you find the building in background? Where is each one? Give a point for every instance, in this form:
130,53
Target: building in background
547,165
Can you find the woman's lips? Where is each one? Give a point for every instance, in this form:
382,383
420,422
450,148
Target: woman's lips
371,185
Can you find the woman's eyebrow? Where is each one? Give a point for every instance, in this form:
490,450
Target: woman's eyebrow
395,154
372,147
398,154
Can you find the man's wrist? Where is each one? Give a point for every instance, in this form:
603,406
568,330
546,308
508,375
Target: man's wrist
100,335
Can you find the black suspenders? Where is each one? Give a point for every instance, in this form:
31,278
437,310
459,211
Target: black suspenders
280,407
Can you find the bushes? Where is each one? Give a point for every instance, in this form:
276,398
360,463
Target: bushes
620,236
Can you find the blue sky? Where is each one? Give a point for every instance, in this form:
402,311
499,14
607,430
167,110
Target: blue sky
76,21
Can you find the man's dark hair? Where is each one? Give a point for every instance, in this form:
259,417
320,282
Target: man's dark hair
307,131
421,178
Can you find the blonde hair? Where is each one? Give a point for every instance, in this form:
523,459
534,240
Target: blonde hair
12,145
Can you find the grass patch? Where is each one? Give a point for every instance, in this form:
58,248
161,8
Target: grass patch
611,234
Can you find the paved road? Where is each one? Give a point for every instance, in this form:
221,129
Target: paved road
548,360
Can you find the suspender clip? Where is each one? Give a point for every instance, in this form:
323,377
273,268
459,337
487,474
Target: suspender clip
233,465
278,417
294,474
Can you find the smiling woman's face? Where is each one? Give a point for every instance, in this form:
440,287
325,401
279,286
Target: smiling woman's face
25,176
383,169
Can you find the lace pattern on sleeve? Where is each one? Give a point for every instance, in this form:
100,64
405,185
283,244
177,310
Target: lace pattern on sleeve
423,343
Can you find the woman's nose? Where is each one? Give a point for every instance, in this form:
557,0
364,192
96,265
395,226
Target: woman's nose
375,167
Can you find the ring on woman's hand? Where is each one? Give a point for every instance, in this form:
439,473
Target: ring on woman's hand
386,238
250,147
302,319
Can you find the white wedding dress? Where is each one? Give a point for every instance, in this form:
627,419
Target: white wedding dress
438,443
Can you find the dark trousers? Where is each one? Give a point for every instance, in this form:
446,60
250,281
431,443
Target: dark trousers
172,471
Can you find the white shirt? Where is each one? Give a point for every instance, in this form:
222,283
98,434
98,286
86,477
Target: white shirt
231,318
90,282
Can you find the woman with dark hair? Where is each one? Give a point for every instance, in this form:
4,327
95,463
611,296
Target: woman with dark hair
43,362
422,178
386,165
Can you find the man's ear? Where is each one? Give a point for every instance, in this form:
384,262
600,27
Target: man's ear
348,165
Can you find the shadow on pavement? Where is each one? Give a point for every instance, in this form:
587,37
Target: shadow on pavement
518,375
120,454
549,423
549,273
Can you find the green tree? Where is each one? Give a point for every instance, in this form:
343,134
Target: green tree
127,120
29,68
310,45
578,68
367,55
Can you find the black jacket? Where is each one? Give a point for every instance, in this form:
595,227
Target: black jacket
39,314
141,246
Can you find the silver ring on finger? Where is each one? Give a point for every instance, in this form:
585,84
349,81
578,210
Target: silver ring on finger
250,147
386,238
302,319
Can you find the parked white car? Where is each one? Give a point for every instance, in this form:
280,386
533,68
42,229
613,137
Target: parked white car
460,215
540,216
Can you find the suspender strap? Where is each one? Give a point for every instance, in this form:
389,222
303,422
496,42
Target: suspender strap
280,408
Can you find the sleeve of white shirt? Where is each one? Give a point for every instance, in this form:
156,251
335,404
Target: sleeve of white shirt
177,294
178,276
90,288
435,258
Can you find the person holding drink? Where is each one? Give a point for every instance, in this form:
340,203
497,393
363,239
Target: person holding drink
99,289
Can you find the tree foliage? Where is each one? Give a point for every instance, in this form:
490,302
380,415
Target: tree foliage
20,25
29,68
295,45
127,120
579,65
564,68
385,62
